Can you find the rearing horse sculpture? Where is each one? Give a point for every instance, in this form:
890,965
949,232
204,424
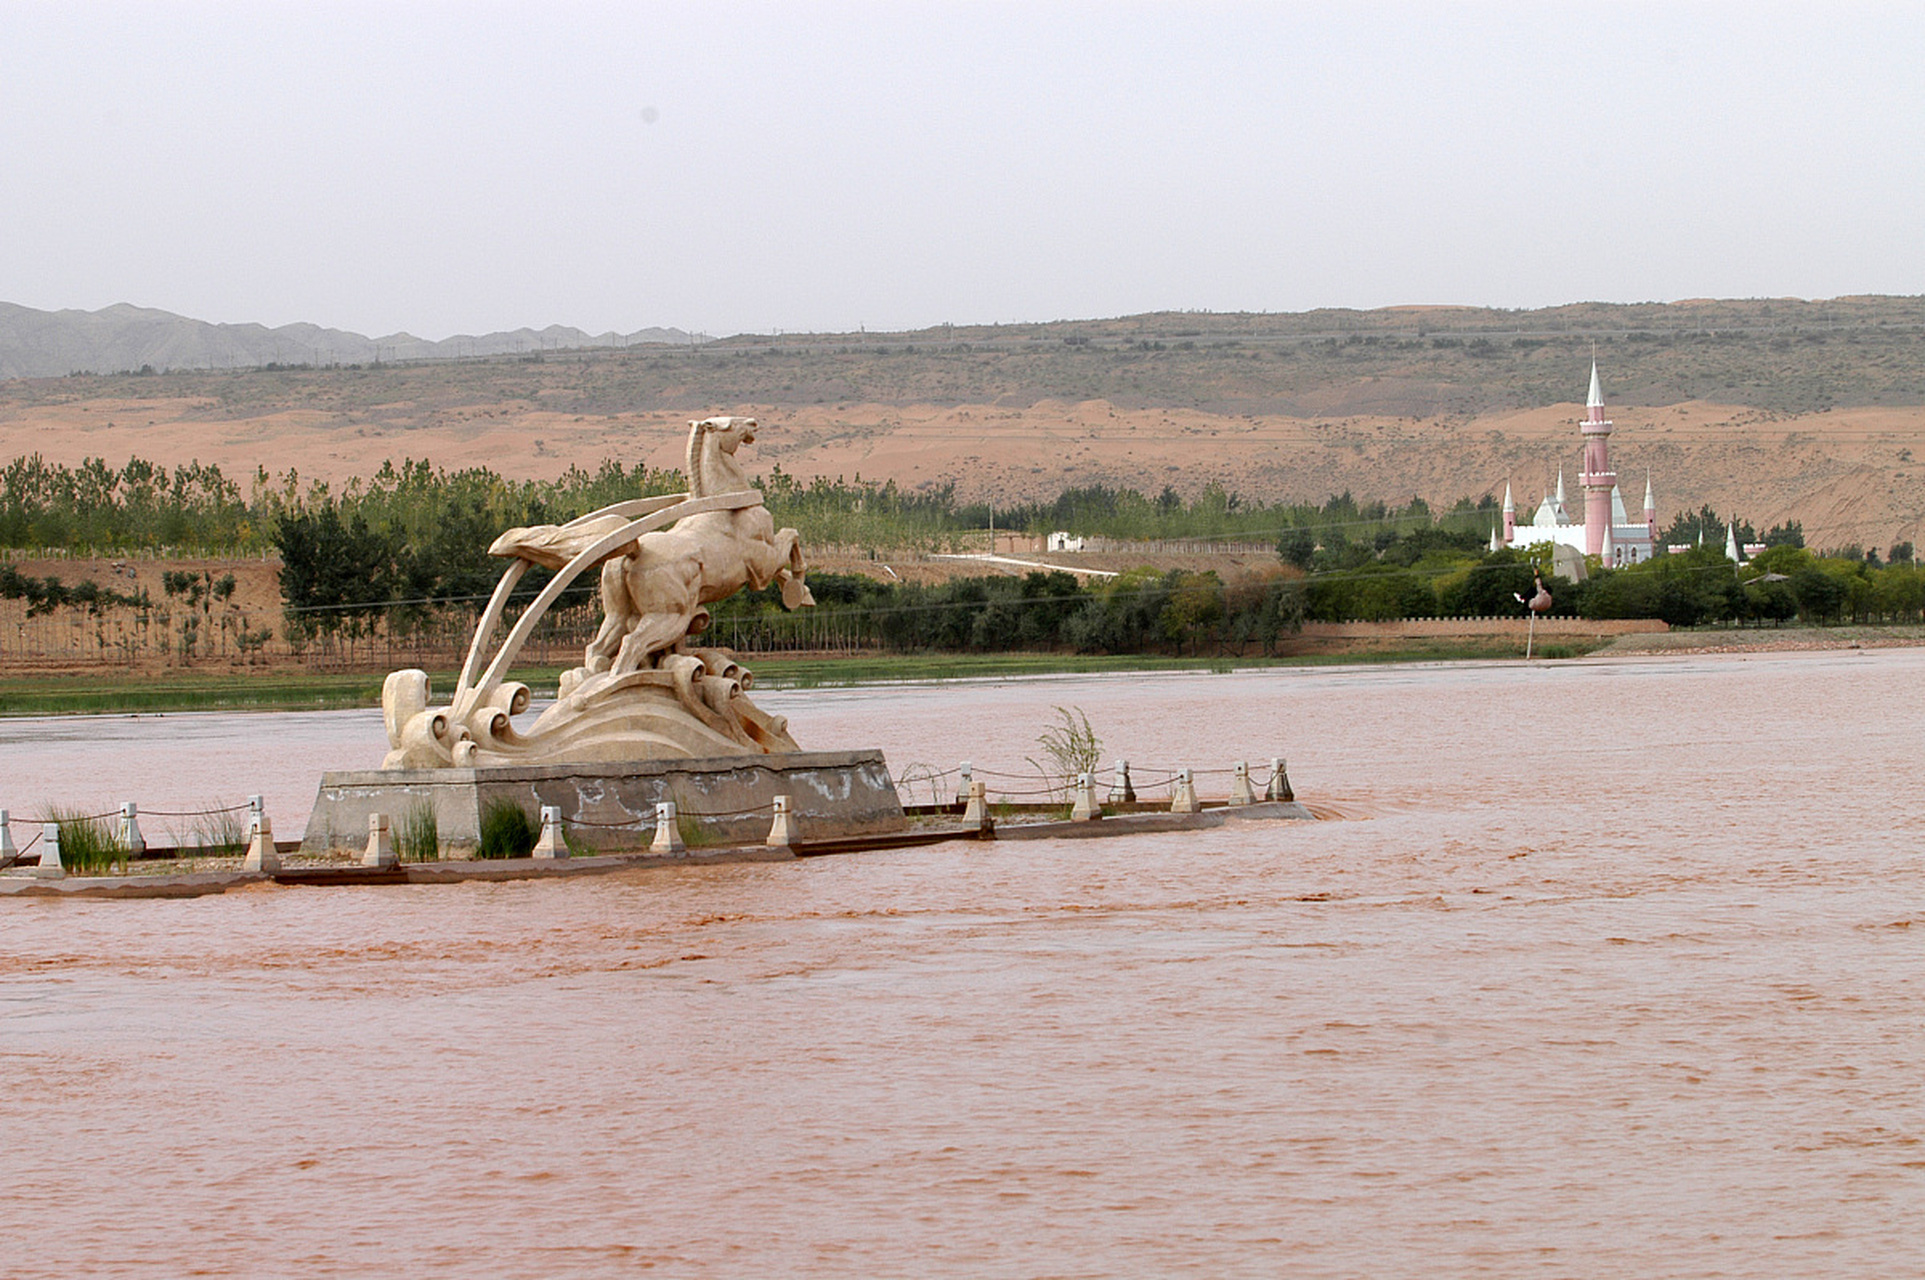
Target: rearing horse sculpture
641,692
657,595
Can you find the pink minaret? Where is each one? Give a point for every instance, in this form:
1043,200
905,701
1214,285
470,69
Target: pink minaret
1510,516
1596,475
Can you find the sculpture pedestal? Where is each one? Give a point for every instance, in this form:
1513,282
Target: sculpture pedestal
611,806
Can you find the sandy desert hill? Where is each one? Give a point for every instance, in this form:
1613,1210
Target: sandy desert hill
1774,409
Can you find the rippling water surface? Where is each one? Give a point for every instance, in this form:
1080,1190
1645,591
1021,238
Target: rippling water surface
1609,969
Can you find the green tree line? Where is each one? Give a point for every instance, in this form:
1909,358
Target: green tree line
405,550
95,508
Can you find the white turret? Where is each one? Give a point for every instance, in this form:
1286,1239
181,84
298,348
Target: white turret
1596,399
1510,516
1731,542
1605,551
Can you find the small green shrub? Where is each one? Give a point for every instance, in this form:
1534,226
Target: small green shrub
1070,747
507,831
87,844
418,838
578,846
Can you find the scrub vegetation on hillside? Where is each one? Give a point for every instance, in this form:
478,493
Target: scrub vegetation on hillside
1780,355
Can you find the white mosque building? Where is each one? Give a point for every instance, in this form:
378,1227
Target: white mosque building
1607,530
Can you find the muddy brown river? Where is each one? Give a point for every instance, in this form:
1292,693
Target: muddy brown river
1599,968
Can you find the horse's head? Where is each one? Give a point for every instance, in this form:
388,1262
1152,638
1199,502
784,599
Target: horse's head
727,433
712,443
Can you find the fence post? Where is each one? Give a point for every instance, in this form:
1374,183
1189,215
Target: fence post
380,850
1240,793
668,836
782,830
976,811
552,843
963,784
8,851
1087,807
1121,792
50,868
1183,795
1279,788
262,856
130,838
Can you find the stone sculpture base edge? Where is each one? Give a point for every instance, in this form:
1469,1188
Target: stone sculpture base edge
610,806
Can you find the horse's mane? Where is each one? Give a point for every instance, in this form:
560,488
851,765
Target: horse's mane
697,438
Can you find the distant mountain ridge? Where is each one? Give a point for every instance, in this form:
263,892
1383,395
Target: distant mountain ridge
125,338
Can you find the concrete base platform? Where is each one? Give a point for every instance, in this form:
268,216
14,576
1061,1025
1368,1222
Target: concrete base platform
198,883
611,807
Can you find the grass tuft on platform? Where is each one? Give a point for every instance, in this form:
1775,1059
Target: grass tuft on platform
507,831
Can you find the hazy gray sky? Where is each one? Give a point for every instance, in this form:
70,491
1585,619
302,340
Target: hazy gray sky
729,167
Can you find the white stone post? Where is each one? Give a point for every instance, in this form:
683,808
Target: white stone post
963,784
262,856
1183,795
50,868
8,850
976,809
1087,807
1240,793
668,836
380,851
1279,788
782,830
552,844
1121,792
130,838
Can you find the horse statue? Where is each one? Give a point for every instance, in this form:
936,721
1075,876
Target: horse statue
657,594
642,692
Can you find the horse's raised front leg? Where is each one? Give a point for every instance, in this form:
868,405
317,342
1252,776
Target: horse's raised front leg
788,548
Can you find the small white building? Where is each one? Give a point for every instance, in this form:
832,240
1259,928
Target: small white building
1061,541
